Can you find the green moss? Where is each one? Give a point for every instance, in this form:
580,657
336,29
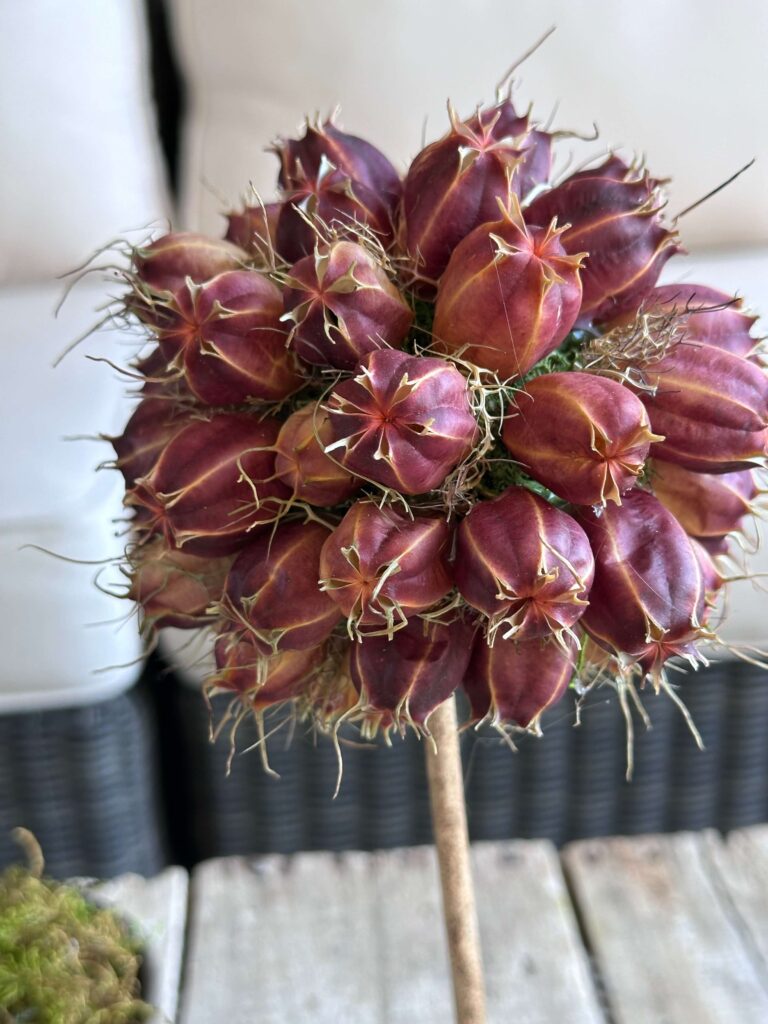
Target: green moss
63,960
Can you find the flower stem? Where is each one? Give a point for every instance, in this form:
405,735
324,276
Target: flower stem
449,821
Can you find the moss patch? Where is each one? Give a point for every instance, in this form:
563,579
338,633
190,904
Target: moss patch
63,960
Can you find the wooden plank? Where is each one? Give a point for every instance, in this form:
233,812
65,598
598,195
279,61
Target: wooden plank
665,942
414,975
282,939
537,970
742,862
359,938
158,907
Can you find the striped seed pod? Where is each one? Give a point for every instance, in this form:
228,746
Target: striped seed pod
509,295
272,593
526,565
226,338
513,683
173,588
705,504
613,215
381,567
303,466
341,305
712,408
584,437
403,422
212,484
456,183
401,681
647,599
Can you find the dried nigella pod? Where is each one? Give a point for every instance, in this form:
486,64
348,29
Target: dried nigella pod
586,438
272,590
212,484
514,682
403,422
615,215
712,408
509,296
526,565
403,679
647,599
381,567
341,305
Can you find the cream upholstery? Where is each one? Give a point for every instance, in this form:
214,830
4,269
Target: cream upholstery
80,166
681,82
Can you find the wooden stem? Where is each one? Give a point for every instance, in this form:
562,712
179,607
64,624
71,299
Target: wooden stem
449,821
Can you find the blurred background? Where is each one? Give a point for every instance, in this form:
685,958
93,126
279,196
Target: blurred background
120,117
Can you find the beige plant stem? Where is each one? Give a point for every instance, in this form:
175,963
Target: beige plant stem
449,819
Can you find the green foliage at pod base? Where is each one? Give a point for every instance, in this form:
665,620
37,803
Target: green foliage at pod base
62,959
502,472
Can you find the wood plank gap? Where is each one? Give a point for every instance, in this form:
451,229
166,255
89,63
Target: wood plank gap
598,979
720,866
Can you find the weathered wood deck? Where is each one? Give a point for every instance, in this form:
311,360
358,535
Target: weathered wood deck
651,930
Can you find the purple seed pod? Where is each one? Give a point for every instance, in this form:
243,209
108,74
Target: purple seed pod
513,683
509,295
708,315
712,408
381,567
226,337
253,229
173,588
526,565
403,679
212,484
302,158
165,264
647,599
303,466
457,183
617,221
584,437
272,591
403,422
341,305
705,504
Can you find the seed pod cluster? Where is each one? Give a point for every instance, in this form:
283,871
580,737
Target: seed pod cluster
397,437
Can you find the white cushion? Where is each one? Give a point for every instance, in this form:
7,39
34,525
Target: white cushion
80,155
64,641
682,83
53,497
